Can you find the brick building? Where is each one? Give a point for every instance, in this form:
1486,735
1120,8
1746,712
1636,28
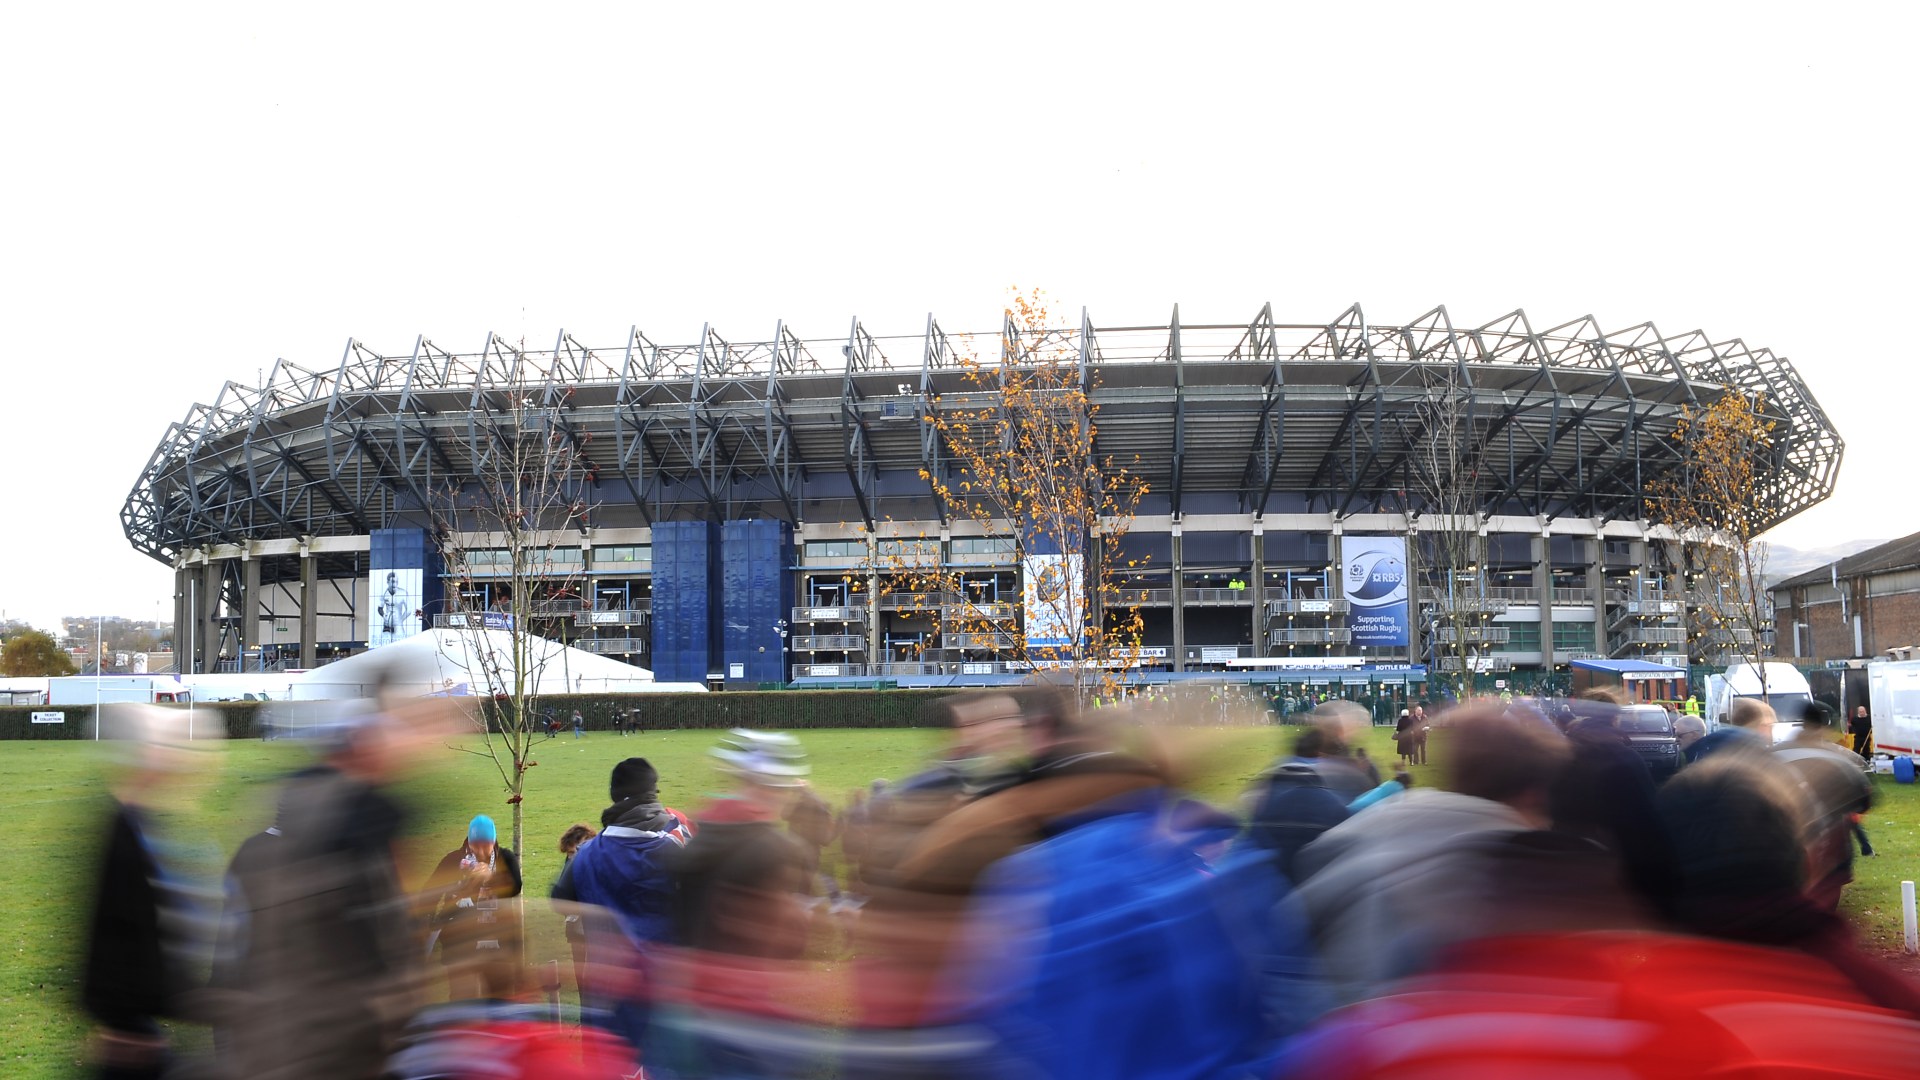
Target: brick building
1860,606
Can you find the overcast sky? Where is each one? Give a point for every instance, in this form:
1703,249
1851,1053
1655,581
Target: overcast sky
191,192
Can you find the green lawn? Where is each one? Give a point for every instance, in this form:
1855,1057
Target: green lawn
50,798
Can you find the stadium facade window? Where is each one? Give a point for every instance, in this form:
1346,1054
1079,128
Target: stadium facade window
625,554
1523,637
489,557
1216,548
1568,551
1146,549
984,545
1298,548
910,549
835,549
1509,549
1572,637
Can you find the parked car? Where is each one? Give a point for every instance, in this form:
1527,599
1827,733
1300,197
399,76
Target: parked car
1649,730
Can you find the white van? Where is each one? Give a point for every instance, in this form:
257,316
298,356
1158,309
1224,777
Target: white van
1779,685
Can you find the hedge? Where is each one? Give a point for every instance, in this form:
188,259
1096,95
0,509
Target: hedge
768,710
16,721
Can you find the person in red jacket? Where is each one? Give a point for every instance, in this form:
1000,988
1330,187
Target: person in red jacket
1730,971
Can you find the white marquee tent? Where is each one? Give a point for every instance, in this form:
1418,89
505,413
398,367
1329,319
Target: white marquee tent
456,663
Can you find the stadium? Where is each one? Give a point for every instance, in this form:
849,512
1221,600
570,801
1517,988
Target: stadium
737,492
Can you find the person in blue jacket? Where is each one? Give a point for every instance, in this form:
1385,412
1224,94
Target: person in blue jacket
626,873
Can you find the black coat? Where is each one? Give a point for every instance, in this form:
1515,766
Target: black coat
129,980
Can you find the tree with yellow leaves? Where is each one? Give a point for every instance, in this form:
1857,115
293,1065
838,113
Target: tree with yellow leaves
1716,506
1021,441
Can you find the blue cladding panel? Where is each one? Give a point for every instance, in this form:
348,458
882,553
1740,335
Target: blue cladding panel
757,595
683,608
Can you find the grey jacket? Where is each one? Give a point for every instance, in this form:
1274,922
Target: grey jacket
1368,884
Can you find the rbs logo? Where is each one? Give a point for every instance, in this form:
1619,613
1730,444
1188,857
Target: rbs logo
1374,575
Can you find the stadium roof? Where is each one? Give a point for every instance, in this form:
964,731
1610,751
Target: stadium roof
1257,417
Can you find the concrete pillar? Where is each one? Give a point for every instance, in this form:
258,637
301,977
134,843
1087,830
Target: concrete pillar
209,617
309,610
874,655
1543,588
249,612
1177,580
1336,576
1258,589
181,618
1416,621
1597,584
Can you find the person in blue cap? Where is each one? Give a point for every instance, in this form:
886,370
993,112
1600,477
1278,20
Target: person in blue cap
478,937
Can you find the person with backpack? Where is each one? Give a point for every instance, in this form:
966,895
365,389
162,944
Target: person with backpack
1291,805
1367,883
1130,939
141,938
334,966
622,881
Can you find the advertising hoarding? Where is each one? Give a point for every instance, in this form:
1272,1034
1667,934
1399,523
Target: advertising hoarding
396,605
1055,600
1374,574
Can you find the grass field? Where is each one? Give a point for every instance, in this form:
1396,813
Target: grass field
51,798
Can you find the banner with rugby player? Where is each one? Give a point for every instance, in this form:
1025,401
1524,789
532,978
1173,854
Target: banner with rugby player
1374,574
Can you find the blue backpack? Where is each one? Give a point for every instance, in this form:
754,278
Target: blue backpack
1113,949
629,873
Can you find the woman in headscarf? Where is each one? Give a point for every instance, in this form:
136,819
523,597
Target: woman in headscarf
479,936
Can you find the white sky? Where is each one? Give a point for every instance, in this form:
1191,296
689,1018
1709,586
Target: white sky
191,191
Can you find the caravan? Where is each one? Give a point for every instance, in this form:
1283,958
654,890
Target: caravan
1893,697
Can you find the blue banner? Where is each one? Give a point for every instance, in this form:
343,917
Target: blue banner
1374,574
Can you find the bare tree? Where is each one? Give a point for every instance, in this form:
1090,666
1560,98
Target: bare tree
1022,435
1447,541
510,535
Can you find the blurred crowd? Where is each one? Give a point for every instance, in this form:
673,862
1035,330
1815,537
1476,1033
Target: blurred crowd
1046,897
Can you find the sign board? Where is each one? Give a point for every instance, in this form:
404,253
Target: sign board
1499,684
49,717
485,620
1054,595
1316,606
825,614
1374,574
736,671
819,670
601,618
1218,654
976,669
